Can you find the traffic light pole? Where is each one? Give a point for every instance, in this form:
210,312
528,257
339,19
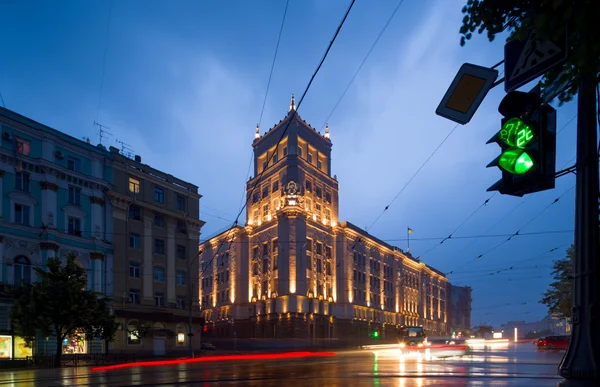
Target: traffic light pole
581,363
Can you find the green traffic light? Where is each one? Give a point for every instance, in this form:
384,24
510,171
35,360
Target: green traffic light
517,133
516,161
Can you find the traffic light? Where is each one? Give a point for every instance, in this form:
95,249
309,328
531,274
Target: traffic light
527,138
375,334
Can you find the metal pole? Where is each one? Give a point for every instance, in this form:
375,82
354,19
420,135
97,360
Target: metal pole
190,333
580,366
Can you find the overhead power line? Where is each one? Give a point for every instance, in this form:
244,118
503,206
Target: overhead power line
362,63
295,111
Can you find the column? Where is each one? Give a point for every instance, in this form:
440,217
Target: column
2,264
97,218
170,276
1,194
97,265
148,267
49,204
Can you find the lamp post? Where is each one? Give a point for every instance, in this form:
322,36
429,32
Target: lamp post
190,297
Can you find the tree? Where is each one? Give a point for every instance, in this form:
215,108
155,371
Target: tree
559,297
103,324
58,304
482,330
550,19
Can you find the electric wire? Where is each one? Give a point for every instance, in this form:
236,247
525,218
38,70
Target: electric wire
362,63
412,177
110,7
517,233
294,113
459,226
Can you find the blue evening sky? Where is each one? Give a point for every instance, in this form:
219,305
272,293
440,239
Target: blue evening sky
184,83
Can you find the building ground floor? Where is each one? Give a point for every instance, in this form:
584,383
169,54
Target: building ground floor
156,332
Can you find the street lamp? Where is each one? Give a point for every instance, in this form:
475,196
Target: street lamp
190,297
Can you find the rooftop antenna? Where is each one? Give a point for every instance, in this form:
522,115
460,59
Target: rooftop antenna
126,149
102,131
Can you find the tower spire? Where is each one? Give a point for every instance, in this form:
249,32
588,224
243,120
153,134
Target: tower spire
257,133
326,130
293,103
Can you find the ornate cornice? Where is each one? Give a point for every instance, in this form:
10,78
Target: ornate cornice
49,246
49,186
96,200
119,201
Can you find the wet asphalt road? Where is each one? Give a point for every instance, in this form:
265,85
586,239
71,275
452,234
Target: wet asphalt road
512,365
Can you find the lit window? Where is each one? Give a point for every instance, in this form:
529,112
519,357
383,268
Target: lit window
23,146
134,185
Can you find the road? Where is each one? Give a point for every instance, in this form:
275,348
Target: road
511,365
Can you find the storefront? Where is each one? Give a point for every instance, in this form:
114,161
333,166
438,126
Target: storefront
75,344
13,347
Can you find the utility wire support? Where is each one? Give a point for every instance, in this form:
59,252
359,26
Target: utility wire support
459,226
362,63
262,110
412,177
295,111
104,59
517,233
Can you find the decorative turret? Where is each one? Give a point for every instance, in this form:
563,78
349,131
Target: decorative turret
257,133
293,103
326,130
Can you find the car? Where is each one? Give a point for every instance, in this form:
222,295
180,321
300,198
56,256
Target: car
207,347
553,342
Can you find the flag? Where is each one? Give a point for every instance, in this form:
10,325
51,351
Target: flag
410,231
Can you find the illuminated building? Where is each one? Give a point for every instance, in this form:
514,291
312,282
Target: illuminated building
295,271
156,234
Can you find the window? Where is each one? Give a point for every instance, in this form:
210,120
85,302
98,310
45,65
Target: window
180,277
159,195
181,227
134,296
275,186
285,151
22,181
299,151
255,252
22,213
134,241
266,210
318,192
319,248
180,302
308,186
159,299
23,146
308,203
159,220
180,202
75,195
159,274
73,164
327,197
327,216
265,265
266,248
134,270
275,157
275,262
134,185
180,252
159,246
22,271
74,226
275,246
328,251
309,158
309,244
255,197
319,164
255,216
265,191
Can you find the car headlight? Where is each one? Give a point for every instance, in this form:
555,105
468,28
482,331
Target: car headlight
420,345
402,345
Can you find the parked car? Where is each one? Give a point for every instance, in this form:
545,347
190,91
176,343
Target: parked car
207,347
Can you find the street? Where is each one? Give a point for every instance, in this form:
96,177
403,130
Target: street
510,365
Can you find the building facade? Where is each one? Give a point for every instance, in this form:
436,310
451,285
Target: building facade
295,271
156,235
53,203
460,308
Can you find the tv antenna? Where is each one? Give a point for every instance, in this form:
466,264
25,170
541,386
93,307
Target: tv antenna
102,131
126,149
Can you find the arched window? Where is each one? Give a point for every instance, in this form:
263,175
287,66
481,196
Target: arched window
22,270
133,333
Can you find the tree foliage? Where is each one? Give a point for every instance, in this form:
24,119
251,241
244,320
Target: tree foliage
550,19
58,305
559,297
